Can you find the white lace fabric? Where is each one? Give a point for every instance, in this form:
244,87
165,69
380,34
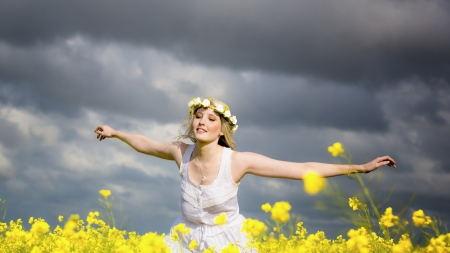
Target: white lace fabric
200,204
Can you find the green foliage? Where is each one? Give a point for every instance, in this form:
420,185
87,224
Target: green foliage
108,217
2,209
366,210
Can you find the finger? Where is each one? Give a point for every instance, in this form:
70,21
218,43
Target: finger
386,158
389,163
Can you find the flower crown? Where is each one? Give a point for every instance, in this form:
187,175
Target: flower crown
222,110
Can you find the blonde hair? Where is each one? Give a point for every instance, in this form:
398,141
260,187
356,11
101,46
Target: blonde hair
226,140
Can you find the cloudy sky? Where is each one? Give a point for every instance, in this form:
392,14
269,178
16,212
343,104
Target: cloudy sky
298,74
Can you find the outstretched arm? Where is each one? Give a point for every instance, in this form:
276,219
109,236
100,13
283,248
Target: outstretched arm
260,165
142,144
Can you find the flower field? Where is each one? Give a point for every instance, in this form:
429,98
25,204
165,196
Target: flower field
378,231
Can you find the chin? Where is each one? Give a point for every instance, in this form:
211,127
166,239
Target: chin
204,139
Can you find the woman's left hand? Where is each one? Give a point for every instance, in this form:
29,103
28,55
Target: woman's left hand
378,162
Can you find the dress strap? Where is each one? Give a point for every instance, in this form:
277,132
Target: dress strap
225,166
186,157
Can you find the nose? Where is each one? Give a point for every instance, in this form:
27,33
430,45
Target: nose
200,122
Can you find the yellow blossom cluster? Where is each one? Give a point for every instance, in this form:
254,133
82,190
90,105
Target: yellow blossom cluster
94,235
358,240
388,219
280,211
221,219
354,203
403,245
254,228
313,182
440,244
419,218
73,236
336,149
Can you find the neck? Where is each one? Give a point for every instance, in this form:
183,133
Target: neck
206,151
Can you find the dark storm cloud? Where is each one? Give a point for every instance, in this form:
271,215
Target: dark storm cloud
370,42
64,80
291,103
420,112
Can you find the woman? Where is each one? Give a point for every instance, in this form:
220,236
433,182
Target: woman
211,170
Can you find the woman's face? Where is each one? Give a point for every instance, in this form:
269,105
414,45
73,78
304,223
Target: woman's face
206,125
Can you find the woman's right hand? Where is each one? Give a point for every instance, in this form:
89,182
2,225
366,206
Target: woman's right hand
103,132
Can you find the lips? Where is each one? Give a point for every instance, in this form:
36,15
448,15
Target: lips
201,130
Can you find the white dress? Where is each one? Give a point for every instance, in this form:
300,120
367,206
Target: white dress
200,204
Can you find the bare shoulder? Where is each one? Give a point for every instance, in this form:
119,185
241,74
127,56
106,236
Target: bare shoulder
240,163
242,158
178,148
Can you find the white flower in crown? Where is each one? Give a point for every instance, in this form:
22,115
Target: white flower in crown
227,114
219,108
196,101
233,120
235,127
206,102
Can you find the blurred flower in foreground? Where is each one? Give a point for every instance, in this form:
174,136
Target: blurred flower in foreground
220,219
266,207
105,193
336,149
358,240
388,219
193,245
253,228
230,248
39,227
182,229
280,211
71,224
313,183
152,242
420,219
404,245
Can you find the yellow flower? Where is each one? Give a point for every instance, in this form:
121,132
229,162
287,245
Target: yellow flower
60,218
31,220
266,207
71,224
253,228
182,229
39,227
193,245
313,183
36,250
152,242
404,245
358,240
354,203
388,219
280,211
221,219
230,248
174,237
336,149
420,219
105,193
